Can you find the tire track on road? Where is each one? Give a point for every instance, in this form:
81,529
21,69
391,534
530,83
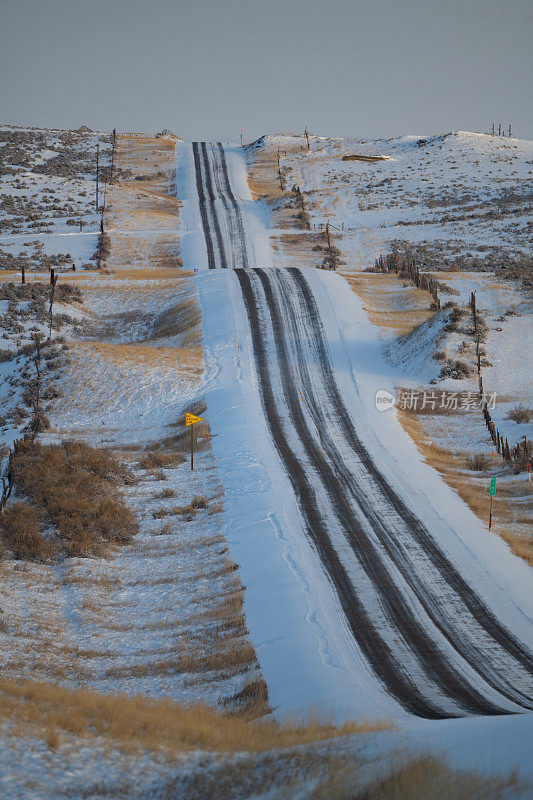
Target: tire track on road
212,205
418,636
431,659
417,529
375,649
203,207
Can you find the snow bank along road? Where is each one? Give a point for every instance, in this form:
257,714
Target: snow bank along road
429,636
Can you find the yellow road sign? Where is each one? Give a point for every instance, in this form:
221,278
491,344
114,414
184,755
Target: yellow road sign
190,419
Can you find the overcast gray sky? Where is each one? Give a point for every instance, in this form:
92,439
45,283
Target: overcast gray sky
216,68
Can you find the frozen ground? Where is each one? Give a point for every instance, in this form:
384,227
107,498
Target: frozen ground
161,615
287,572
466,199
468,191
47,188
307,658
95,769
128,624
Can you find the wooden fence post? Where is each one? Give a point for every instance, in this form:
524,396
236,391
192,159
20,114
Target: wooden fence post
53,281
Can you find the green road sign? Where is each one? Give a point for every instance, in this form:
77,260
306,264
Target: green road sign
493,486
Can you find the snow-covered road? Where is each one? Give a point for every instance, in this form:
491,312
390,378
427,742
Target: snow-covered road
360,589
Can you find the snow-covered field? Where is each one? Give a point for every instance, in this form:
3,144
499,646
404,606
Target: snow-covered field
161,616
469,191
132,623
47,188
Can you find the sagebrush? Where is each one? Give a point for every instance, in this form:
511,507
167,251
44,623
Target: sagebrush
72,491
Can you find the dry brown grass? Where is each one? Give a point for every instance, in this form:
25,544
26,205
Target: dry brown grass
157,459
179,276
19,526
263,174
210,540
146,209
229,608
425,777
144,354
264,184
181,440
251,702
381,298
105,581
138,724
144,155
454,468
199,502
165,494
183,320
222,653
143,243
74,487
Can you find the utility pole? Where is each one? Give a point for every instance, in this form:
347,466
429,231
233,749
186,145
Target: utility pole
97,158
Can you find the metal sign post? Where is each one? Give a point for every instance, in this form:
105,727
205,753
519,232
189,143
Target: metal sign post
190,420
492,493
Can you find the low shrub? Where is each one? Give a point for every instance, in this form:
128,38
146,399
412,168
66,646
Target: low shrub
520,414
165,494
155,460
332,259
478,462
199,501
74,488
455,317
19,525
455,369
189,511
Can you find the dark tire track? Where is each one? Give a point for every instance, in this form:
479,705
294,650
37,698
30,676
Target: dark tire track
430,658
211,168
203,210
327,462
236,207
421,535
211,197
372,645
237,244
